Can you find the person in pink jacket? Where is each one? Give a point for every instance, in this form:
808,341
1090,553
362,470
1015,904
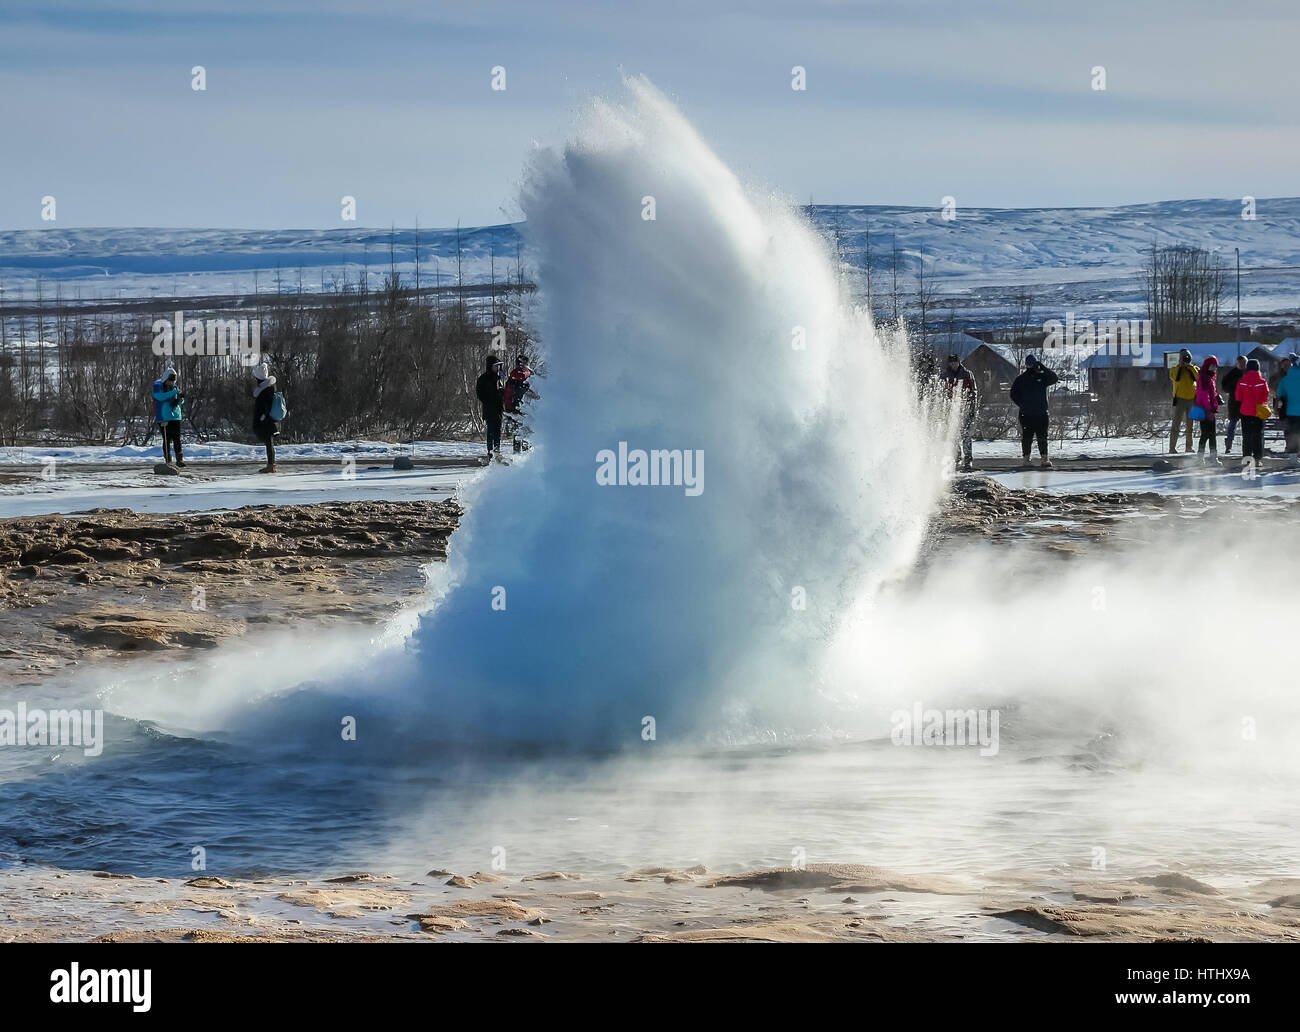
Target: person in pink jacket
1208,401
1252,391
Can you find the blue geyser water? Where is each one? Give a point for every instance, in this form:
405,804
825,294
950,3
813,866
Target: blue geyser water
717,327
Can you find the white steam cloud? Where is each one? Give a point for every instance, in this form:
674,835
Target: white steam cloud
716,328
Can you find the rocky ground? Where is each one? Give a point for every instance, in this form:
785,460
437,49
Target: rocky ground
1070,524
819,903
113,583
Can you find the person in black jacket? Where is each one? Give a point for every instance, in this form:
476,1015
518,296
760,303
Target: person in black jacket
491,395
960,389
264,427
1029,391
1230,379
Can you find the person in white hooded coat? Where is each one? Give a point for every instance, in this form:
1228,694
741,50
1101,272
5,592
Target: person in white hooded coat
264,426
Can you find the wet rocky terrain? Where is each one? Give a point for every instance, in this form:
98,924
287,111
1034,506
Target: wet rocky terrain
114,582
813,903
108,585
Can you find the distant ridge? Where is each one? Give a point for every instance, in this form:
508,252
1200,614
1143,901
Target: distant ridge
1088,254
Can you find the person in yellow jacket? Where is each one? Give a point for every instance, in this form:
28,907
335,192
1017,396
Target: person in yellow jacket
1184,376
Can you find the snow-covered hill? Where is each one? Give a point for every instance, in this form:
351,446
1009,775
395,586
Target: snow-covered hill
1086,258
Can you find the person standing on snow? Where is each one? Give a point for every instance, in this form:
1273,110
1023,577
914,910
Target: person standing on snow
968,398
264,427
1029,392
168,404
1184,376
1230,380
491,395
1208,401
1252,392
1288,398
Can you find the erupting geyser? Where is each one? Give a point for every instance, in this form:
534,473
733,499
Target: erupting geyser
712,339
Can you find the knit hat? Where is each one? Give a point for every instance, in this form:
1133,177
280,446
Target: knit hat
1030,360
1252,366
261,371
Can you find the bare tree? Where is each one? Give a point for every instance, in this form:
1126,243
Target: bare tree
924,302
1024,323
1184,287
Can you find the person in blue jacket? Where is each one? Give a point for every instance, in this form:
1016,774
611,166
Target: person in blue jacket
1288,393
168,403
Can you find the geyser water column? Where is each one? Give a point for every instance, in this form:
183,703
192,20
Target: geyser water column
681,312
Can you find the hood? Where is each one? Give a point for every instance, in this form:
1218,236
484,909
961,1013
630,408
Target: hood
1252,376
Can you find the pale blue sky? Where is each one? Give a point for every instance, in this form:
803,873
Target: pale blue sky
989,101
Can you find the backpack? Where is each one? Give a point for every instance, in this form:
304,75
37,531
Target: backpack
279,408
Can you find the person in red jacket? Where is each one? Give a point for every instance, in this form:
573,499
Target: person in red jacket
517,388
1252,392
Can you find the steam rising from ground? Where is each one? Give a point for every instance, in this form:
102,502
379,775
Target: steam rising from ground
680,332
1166,651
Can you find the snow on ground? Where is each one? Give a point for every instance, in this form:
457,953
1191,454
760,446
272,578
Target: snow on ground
1225,481
1094,448
146,491
198,490
231,451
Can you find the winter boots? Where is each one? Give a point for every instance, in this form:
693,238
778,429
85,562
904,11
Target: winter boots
268,469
